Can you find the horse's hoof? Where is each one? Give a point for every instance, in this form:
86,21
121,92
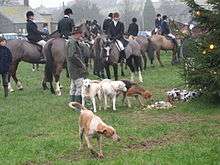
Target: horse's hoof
141,81
58,93
11,90
100,156
45,88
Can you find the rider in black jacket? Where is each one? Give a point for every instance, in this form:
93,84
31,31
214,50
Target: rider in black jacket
116,33
133,28
66,24
107,22
34,35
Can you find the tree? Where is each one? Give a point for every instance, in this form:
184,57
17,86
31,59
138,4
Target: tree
202,69
129,10
176,10
3,2
85,10
149,15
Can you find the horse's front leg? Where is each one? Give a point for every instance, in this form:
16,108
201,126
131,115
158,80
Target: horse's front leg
10,89
107,69
115,67
57,79
144,59
131,66
138,63
122,68
158,58
14,68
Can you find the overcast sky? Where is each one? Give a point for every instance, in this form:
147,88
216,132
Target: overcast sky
47,3
51,3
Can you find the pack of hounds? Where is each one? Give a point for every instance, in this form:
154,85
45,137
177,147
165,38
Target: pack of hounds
92,126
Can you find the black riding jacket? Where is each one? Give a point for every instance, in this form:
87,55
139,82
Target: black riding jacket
34,34
65,27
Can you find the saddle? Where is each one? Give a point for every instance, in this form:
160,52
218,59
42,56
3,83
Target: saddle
172,40
39,47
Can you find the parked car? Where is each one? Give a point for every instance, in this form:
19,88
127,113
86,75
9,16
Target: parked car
9,36
144,33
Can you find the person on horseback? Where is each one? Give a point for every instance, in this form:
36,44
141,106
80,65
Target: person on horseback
66,24
75,65
107,22
95,28
165,30
133,28
5,62
34,35
158,22
116,34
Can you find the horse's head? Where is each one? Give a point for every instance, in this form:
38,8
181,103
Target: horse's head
84,28
180,30
105,45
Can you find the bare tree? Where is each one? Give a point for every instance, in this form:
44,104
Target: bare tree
3,2
128,11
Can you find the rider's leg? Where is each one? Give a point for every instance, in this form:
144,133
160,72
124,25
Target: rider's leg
121,47
42,43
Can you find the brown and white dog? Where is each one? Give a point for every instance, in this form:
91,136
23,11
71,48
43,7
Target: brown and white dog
137,92
92,126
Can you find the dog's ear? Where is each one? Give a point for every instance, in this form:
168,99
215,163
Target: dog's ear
101,129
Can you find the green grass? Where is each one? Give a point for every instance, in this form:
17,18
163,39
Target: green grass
39,128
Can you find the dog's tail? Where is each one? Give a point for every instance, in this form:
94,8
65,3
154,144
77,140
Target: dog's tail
75,105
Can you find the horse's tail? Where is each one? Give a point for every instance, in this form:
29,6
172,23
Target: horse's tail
150,50
49,63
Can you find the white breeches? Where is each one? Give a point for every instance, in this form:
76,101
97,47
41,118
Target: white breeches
120,45
171,35
42,43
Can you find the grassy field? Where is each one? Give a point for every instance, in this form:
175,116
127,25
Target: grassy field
39,128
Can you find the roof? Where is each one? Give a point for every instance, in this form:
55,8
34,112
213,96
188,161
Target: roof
17,14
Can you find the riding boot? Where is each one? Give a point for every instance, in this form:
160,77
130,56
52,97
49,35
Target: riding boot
72,98
6,90
79,100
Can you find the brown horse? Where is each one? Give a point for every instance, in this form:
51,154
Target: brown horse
23,50
55,52
183,31
158,43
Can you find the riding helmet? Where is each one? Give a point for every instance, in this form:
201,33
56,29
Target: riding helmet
29,14
134,19
68,11
165,17
158,15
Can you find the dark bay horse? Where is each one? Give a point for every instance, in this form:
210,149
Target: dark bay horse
55,51
23,50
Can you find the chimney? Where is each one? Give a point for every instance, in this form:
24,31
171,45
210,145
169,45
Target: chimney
26,2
